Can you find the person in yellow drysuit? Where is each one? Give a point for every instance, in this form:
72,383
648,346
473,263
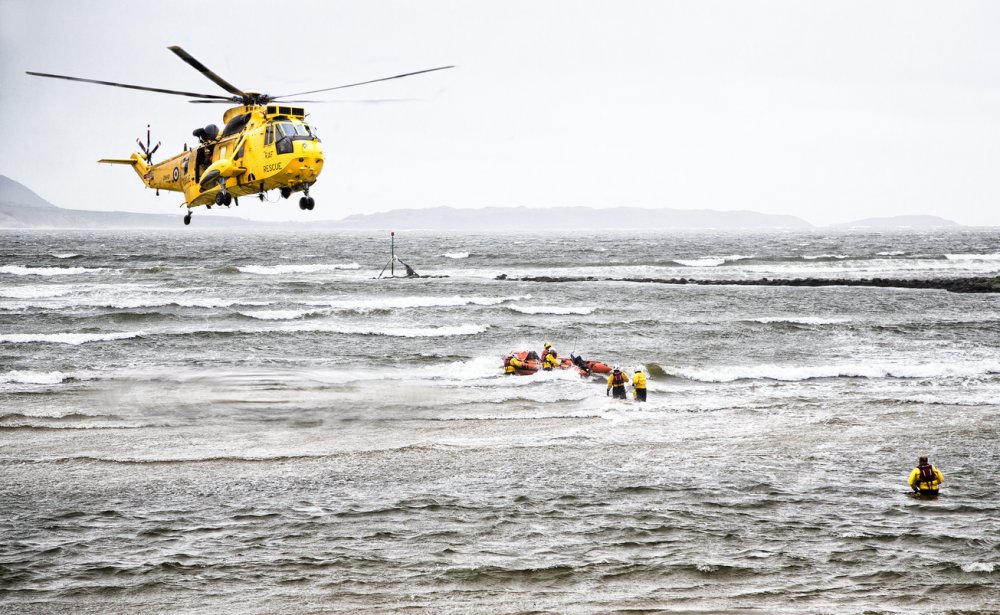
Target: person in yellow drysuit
616,383
925,478
639,385
511,363
549,357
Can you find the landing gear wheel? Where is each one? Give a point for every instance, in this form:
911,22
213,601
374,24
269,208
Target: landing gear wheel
227,199
311,203
304,203
187,218
220,198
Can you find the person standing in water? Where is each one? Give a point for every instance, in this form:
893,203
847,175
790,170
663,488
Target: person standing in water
616,383
925,478
639,385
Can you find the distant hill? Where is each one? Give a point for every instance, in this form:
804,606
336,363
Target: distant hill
899,222
567,219
22,208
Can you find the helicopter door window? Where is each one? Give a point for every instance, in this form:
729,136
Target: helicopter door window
286,132
269,134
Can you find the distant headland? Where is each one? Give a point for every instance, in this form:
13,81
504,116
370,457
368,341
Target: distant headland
20,207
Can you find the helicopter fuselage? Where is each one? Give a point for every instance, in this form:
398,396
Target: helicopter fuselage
261,148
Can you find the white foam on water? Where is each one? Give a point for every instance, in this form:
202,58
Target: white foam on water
801,320
552,309
376,303
41,291
31,377
278,314
861,370
293,269
390,331
66,255
812,257
978,567
49,271
700,262
972,257
456,255
74,339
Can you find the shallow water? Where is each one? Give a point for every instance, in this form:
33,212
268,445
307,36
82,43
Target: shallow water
196,422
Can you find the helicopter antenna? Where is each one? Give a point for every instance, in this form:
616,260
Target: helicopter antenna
146,151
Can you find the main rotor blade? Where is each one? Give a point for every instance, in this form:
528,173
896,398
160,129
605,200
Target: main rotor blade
351,85
204,70
367,101
214,97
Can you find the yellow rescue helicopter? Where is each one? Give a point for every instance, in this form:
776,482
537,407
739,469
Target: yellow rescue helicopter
265,144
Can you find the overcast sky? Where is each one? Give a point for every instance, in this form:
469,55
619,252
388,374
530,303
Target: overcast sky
830,111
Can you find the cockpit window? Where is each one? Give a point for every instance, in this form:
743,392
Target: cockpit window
292,129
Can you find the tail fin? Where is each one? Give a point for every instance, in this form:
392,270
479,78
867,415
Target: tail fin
137,162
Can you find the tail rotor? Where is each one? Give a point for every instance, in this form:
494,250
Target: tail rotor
147,152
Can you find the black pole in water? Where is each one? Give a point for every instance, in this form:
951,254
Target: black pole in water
392,252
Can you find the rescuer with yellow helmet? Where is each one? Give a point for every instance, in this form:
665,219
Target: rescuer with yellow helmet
639,384
550,358
616,383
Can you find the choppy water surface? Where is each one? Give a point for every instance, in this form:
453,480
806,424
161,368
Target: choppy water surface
209,423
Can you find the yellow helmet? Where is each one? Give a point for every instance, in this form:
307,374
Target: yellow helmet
548,345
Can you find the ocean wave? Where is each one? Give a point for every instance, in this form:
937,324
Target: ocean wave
552,309
294,269
31,377
321,327
456,255
825,257
417,301
712,261
892,253
800,320
66,255
700,262
44,291
978,567
445,331
48,271
870,370
74,339
972,257
278,314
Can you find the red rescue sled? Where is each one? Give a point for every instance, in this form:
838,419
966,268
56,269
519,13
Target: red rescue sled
531,364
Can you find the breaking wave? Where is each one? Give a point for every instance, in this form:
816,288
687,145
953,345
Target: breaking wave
801,320
552,309
382,303
793,374
48,271
74,339
456,255
31,377
291,269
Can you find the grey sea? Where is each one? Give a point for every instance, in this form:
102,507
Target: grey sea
250,423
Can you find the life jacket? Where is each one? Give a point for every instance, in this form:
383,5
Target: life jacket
926,473
617,379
